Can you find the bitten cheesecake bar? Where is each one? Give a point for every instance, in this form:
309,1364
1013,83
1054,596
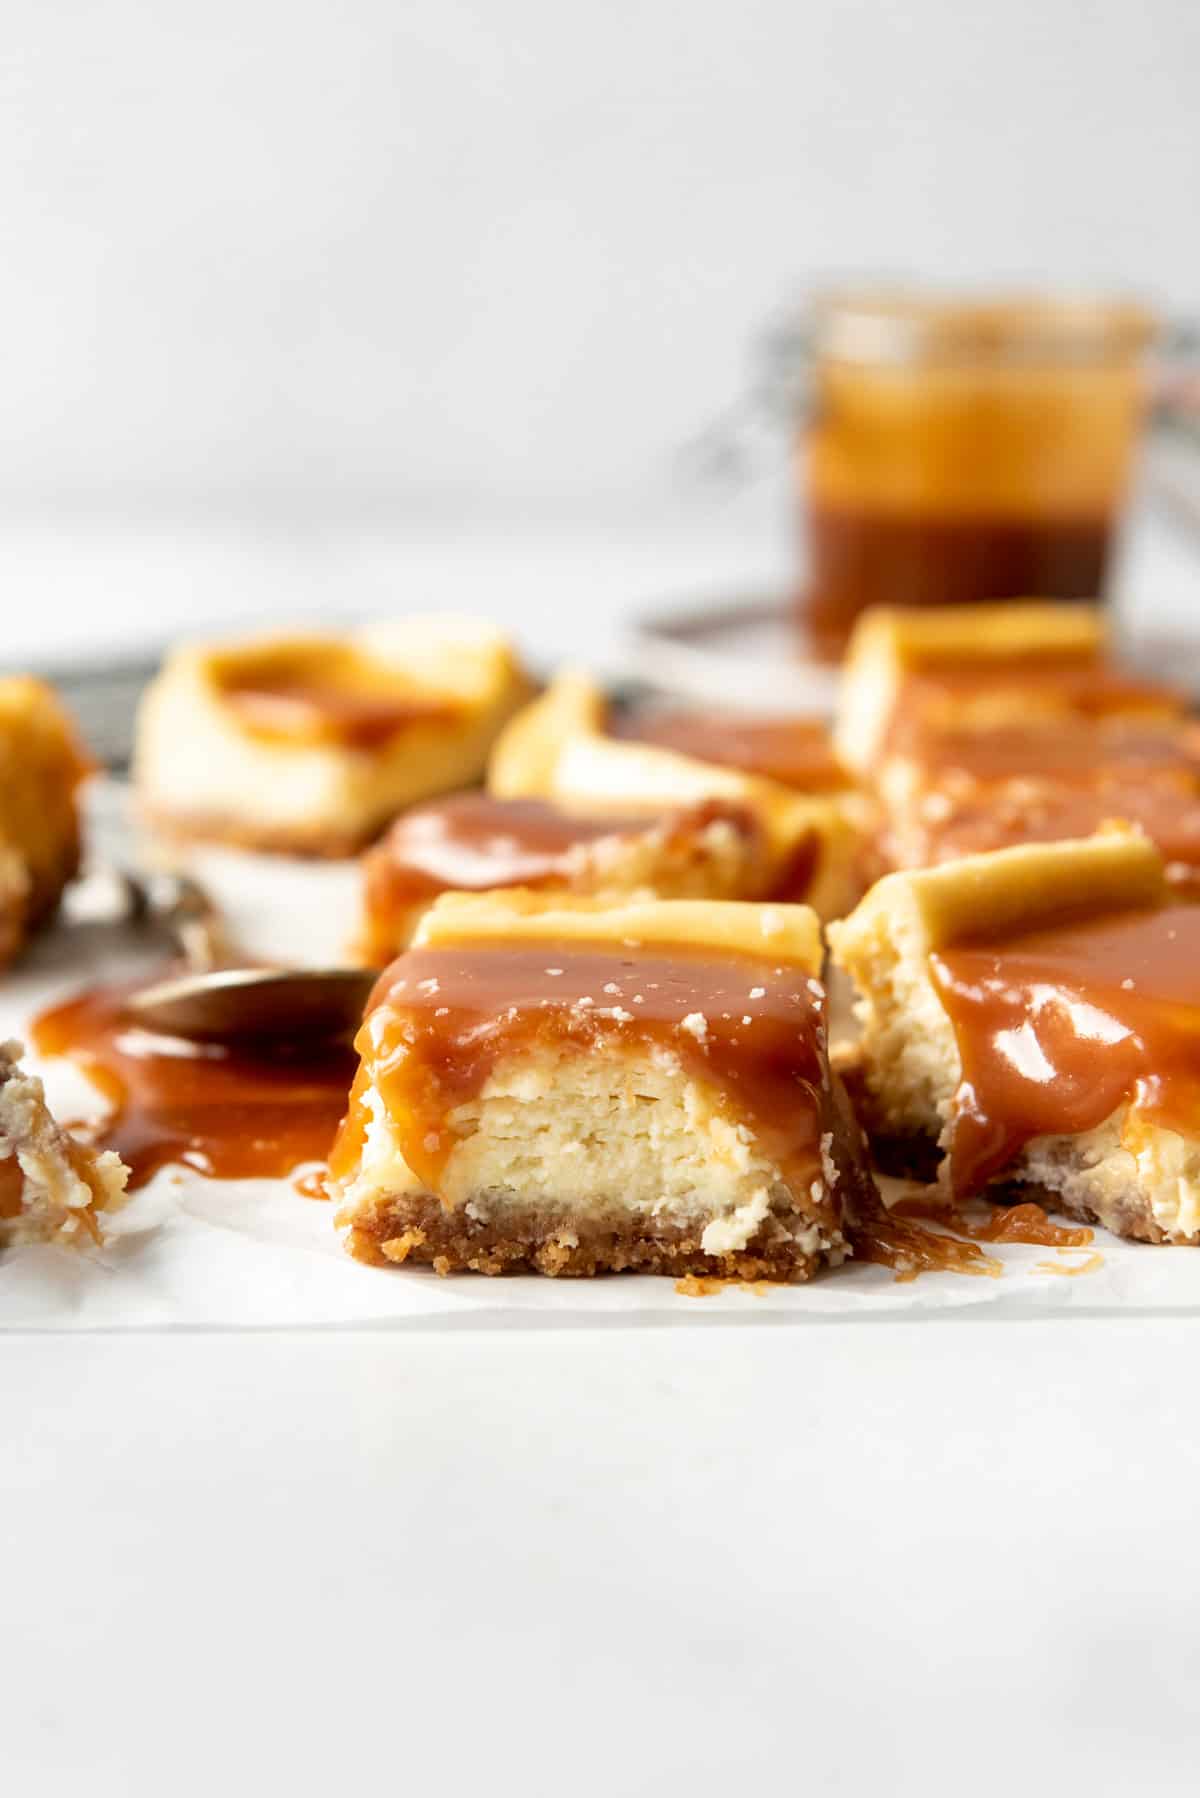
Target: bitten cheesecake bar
559,749
312,744
473,842
1036,1013
42,765
575,1087
51,1186
909,671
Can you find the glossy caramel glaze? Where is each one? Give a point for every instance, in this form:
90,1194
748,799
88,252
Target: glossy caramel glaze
442,1018
229,1114
1059,1027
797,752
472,842
1168,814
1075,752
1027,686
346,701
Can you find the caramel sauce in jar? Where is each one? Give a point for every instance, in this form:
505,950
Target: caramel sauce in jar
797,752
1059,1027
231,1114
961,450
442,1018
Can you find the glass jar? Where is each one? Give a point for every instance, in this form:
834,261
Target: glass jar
956,451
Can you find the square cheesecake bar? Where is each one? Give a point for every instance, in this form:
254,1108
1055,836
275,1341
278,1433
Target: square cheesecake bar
560,749
52,1188
908,671
312,744
1034,1014
474,842
957,792
42,765
577,1087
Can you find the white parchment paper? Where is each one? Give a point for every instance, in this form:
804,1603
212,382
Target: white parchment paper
194,1253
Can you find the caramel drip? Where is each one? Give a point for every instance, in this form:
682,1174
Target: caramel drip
230,1114
1057,1028
11,1187
795,751
442,1019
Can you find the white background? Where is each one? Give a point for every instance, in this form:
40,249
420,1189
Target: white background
455,258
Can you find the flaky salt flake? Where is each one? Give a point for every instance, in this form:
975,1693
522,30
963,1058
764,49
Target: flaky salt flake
615,1013
746,1018
554,971
638,999
610,986
443,1011
696,1024
1127,984
428,986
758,992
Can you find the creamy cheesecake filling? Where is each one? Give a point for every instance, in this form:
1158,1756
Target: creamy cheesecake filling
446,1020
1060,1027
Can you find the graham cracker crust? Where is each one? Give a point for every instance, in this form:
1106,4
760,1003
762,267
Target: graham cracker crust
419,1229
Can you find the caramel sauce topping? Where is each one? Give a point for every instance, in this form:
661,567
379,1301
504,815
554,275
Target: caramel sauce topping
340,697
1058,1027
1069,751
1167,814
230,1114
472,842
794,751
1082,686
442,1018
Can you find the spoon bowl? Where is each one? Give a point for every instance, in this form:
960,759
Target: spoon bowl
234,1005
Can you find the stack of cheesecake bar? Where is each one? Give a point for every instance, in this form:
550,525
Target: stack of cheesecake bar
601,1037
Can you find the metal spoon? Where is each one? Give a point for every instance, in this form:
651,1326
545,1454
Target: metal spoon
217,1002
232,1005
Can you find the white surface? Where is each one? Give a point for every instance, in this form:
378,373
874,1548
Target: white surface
912,1559
468,253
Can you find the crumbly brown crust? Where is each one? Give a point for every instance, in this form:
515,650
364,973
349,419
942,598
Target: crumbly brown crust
420,1229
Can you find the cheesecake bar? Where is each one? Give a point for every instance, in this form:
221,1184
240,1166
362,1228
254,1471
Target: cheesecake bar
907,671
559,748
52,1188
42,764
473,842
1035,1014
312,744
965,791
575,1087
